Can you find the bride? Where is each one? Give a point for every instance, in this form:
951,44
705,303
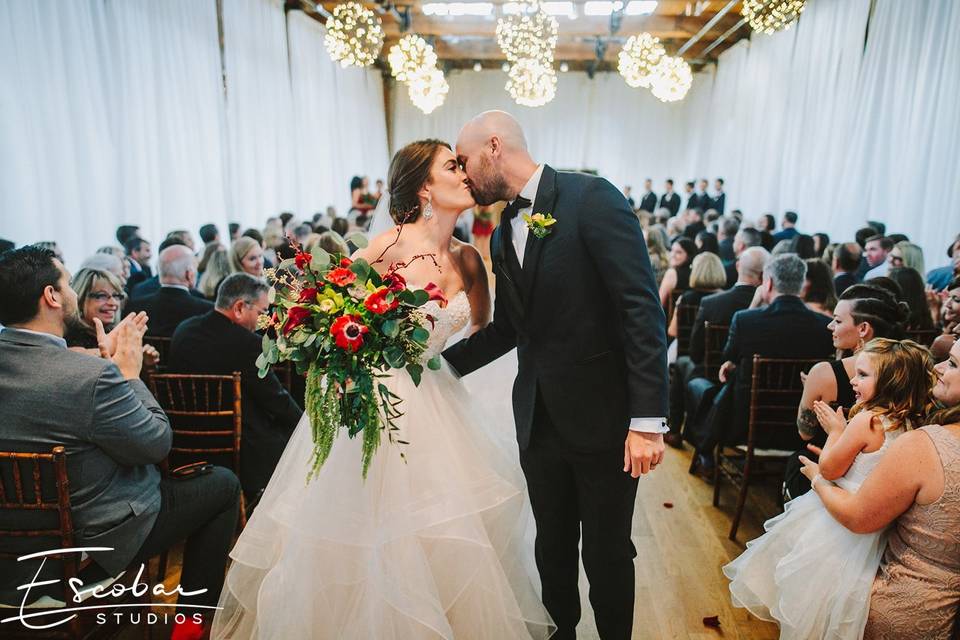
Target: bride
427,548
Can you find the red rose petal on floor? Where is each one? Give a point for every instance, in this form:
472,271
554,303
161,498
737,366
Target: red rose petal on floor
668,505
711,621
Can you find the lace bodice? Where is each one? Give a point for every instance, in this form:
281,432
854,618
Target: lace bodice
447,322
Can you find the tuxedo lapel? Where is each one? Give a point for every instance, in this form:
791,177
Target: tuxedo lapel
544,203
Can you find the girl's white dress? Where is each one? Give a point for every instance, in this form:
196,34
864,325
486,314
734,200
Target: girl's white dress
808,572
437,547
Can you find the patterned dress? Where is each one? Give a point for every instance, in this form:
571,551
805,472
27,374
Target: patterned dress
917,591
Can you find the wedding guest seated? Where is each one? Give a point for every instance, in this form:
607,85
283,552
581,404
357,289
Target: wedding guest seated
914,294
52,246
820,243
818,292
876,250
138,255
656,237
706,277
222,341
246,256
940,277
183,236
743,240
677,277
120,255
210,236
788,227
172,304
916,489
695,225
114,433
218,268
107,262
863,312
846,263
906,254
152,284
707,241
784,328
729,226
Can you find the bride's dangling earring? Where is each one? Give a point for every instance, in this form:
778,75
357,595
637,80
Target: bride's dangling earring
428,209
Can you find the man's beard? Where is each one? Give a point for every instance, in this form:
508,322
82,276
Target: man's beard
73,322
489,187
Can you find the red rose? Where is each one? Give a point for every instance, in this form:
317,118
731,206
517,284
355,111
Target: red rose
296,317
345,262
302,260
436,293
348,332
377,302
341,277
394,282
308,295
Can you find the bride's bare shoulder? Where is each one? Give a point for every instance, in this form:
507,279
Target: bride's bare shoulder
377,246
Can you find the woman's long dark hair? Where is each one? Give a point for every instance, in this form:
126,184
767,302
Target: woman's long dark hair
409,171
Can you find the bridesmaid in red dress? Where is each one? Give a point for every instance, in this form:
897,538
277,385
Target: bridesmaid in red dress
482,230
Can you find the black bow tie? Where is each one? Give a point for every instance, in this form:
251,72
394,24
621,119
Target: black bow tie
514,207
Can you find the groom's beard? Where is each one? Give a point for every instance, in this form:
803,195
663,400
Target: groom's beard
489,189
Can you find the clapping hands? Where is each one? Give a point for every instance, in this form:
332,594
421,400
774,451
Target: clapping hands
829,419
124,344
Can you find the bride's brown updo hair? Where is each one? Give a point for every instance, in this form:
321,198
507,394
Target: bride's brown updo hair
409,171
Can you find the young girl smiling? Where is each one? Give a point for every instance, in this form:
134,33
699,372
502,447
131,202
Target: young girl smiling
808,572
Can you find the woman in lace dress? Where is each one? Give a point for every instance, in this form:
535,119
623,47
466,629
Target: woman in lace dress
425,548
916,593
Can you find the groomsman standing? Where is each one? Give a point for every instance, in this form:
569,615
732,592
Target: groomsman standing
720,200
669,199
649,200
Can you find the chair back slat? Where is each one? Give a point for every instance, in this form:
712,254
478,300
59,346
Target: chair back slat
715,339
672,302
686,315
775,392
161,344
50,492
205,416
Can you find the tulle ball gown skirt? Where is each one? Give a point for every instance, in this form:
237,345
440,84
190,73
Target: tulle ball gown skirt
808,573
438,546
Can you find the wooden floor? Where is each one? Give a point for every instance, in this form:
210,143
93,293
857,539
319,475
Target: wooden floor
680,551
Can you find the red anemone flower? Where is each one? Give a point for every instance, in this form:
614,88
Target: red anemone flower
348,332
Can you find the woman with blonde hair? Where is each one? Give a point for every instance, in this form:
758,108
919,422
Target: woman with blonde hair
218,268
246,256
99,295
906,254
657,250
808,572
707,276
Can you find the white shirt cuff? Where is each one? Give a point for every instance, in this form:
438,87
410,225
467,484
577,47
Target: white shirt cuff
649,425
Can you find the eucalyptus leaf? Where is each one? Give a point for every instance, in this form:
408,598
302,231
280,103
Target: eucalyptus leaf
358,239
420,297
394,357
321,259
310,340
415,371
287,264
390,328
361,268
420,335
262,361
271,295
267,342
263,371
434,363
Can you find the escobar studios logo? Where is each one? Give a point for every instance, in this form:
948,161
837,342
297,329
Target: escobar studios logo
98,598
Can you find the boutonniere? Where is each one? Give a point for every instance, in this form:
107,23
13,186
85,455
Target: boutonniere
540,223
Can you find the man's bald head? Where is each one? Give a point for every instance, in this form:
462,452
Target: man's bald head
750,264
493,151
483,128
178,265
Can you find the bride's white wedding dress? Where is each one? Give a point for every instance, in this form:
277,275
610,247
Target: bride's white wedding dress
437,547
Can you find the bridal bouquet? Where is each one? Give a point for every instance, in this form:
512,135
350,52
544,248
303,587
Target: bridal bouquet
345,326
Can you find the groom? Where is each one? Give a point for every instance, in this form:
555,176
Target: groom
581,306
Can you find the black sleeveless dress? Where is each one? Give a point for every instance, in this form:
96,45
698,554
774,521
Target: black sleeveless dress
845,396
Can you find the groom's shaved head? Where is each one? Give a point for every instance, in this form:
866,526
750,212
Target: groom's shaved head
493,151
493,124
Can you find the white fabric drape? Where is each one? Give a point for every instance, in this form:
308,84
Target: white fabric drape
124,112
338,117
259,156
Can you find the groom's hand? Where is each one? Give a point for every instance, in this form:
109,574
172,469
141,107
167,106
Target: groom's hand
642,452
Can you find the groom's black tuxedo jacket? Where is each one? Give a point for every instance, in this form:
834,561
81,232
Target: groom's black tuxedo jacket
584,314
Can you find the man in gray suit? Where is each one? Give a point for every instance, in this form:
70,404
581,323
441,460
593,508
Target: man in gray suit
113,430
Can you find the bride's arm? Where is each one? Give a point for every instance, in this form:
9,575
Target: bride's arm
478,289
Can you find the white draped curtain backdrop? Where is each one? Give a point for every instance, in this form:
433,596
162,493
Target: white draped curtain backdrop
127,111
826,119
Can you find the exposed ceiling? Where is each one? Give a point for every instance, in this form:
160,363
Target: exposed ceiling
589,42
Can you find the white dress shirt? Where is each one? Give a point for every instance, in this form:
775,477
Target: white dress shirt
518,227
878,271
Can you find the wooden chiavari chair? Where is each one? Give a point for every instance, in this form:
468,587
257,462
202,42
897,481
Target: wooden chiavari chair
715,339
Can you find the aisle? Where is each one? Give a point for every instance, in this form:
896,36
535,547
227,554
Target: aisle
679,554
